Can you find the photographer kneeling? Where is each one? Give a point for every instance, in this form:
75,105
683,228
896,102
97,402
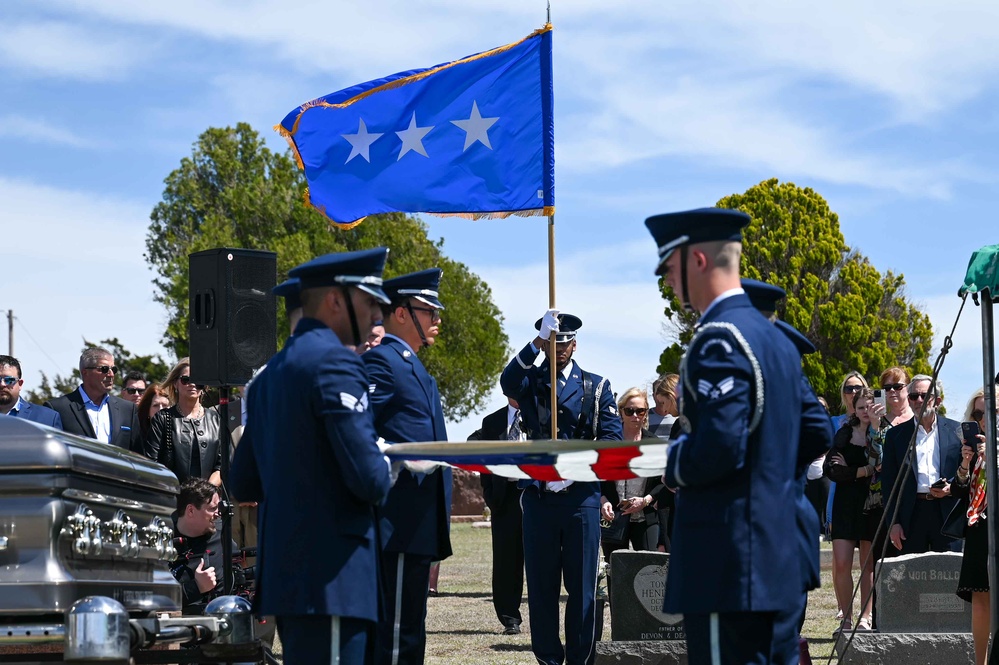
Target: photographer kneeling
198,566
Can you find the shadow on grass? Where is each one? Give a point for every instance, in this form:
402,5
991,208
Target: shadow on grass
510,647
463,594
461,632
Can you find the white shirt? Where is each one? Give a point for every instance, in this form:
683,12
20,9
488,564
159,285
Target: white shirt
511,415
927,457
100,416
559,485
14,410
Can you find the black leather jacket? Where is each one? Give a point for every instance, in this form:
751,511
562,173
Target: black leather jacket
172,438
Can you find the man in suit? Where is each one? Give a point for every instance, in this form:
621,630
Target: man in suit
133,386
923,501
406,406
506,523
561,518
91,410
309,450
11,403
741,404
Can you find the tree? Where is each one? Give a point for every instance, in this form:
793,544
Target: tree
858,318
235,192
151,367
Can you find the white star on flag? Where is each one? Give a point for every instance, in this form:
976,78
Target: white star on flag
476,128
412,138
360,142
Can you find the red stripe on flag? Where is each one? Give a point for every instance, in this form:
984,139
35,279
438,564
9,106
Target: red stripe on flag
481,468
541,471
612,463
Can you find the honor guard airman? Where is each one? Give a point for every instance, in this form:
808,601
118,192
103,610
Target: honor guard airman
415,520
735,468
816,429
562,517
309,449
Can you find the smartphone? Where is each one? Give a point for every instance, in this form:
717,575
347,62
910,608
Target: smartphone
970,430
939,484
879,397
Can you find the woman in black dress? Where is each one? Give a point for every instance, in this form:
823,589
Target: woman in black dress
185,437
973,585
635,499
850,463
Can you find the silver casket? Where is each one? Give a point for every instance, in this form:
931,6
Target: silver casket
81,518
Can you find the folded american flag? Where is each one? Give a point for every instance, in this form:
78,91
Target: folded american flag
543,460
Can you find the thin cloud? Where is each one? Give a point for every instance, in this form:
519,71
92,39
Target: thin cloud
66,50
33,130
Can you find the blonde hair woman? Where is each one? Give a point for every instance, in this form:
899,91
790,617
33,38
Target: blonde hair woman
633,501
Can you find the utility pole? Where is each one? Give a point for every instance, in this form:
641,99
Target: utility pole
10,333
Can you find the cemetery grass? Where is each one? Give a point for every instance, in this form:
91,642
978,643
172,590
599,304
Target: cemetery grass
462,626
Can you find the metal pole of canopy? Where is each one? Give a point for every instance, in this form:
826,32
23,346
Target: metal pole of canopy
991,495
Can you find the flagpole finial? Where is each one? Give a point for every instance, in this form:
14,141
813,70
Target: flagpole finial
549,11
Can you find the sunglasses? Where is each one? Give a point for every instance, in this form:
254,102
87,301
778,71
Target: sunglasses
918,397
9,380
629,411
856,388
435,314
893,386
977,414
135,391
186,380
104,369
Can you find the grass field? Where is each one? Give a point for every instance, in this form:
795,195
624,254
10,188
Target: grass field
462,626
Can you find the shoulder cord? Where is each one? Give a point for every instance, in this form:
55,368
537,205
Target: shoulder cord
757,372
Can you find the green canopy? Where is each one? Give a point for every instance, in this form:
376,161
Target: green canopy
983,272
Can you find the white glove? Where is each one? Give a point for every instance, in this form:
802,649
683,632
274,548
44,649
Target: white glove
549,324
382,445
422,466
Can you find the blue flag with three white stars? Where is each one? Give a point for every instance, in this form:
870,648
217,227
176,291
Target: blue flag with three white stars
471,138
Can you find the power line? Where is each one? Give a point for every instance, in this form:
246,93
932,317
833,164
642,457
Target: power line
32,338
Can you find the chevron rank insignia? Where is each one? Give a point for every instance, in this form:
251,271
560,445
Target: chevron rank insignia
714,391
353,403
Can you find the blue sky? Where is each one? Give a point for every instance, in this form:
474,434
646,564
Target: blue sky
887,111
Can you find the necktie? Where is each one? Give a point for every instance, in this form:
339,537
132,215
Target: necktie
515,428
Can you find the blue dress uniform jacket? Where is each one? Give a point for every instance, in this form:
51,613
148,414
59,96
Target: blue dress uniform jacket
416,517
530,386
736,471
308,455
561,530
816,439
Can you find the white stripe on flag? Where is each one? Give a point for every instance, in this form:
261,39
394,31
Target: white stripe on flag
577,465
507,471
651,461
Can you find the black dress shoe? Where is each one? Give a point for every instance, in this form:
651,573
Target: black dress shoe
513,629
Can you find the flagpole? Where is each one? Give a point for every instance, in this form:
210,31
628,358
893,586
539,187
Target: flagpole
551,295
552,354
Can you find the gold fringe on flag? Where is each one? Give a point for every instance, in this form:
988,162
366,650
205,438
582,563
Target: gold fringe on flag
398,83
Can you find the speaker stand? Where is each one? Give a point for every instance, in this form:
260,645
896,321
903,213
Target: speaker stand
225,443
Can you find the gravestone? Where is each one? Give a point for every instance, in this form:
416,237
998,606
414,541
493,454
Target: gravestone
637,589
916,594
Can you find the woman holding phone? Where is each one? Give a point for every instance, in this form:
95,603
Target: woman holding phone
850,464
896,410
634,499
973,584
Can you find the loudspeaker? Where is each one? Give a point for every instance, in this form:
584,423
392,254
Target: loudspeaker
233,320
